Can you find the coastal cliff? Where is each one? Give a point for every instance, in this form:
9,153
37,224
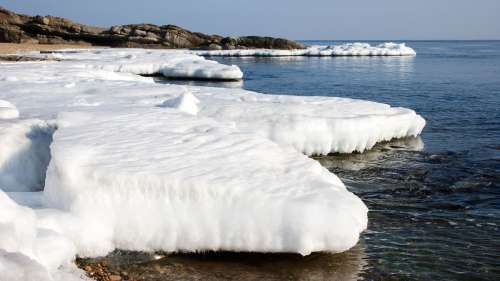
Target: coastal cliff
19,28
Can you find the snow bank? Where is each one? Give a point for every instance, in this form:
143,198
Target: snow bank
15,266
8,110
17,226
349,49
18,267
163,180
28,251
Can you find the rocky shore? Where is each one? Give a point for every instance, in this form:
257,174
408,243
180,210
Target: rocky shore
19,28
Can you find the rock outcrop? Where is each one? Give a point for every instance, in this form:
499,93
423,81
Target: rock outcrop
18,28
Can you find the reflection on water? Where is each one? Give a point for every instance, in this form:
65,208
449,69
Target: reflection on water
433,216
207,83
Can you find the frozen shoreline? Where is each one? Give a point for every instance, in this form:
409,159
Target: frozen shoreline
128,153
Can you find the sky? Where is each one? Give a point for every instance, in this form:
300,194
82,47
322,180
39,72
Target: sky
299,20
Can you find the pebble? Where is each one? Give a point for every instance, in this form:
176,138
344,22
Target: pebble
115,278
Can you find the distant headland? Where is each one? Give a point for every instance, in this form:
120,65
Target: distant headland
19,28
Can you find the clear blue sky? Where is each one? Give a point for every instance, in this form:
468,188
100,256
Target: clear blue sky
306,19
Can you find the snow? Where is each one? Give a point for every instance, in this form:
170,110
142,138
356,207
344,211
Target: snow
186,102
313,125
8,110
207,186
348,49
18,267
28,251
16,225
171,64
100,158
24,146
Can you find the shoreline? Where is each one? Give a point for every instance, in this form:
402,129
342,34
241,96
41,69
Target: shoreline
14,48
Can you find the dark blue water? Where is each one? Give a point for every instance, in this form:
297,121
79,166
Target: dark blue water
434,201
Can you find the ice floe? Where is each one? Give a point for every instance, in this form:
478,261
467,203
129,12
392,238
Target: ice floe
348,49
207,186
313,125
127,163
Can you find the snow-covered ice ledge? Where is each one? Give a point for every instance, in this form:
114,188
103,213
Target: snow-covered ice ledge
348,49
144,166
169,63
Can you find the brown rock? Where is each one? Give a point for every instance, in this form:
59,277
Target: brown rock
87,268
268,43
214,46
42,20
17,28
138,32
115,278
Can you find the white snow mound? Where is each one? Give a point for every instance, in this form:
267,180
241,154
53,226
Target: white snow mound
186,102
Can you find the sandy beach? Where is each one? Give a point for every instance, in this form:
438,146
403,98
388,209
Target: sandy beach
12,48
